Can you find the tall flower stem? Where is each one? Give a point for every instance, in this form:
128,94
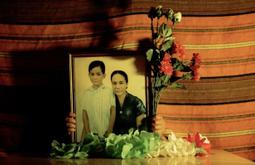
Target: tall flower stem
156,98
155,94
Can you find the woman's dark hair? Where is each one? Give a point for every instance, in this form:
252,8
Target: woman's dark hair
97,63
121,72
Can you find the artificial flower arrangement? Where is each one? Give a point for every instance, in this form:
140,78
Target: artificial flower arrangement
166,57
136,144
166,60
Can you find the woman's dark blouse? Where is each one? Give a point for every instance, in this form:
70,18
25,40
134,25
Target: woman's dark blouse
126,115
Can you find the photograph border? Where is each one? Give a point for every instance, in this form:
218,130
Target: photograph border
118,56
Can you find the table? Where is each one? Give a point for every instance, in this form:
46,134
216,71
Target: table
217,157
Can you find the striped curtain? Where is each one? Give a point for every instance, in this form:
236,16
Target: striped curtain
35,39
222,104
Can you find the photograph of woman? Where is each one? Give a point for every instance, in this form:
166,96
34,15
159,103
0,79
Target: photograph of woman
130,110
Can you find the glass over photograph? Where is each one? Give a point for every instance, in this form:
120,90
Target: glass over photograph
108,93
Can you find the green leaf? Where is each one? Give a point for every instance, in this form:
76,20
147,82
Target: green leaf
177,85
161,29
187,76
158,83
70,147
81,155
93,143
84,148
169,38
56,147
164,31
65,156
125,150
149,54
168,32
166,80
167,45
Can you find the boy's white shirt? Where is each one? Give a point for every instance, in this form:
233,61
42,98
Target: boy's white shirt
98,102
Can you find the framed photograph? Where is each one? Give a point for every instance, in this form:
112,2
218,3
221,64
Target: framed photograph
133,65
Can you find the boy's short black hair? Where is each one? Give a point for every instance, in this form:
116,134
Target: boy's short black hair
97,63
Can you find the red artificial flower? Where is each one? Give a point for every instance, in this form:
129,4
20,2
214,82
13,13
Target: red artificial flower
193,139
178,50
196,61
167,57
166,68
206,147
200,142
196,75
166,65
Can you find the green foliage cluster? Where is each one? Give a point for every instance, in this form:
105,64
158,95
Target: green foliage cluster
91,145
133,145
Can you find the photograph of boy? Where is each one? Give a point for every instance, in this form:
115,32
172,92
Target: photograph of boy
98,103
